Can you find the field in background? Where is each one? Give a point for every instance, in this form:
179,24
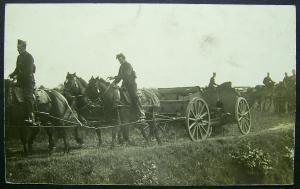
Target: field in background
265,156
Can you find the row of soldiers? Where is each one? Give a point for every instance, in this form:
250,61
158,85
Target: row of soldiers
287,80
268,82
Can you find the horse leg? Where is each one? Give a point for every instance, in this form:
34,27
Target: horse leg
286,106
33,134
154,127
23,137
78,139
64,136
115,129
120,135
113,134
98,132
125,131
261,105
142,129
51,145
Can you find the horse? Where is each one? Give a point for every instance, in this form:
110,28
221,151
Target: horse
74,91
117,107
285,96
52,109
263,97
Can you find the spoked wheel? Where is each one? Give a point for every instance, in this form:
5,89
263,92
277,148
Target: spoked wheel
242,113
198,119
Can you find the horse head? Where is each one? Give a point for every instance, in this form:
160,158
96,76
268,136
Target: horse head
74,84
71,84
109,92
92,91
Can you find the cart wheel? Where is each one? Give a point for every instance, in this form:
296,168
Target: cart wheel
198,119
242,113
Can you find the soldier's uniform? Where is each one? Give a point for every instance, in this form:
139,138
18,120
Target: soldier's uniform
293,79
127,74
24,71
286,81
212,82
268,82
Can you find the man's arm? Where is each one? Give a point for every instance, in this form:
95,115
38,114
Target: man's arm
15,72
118,78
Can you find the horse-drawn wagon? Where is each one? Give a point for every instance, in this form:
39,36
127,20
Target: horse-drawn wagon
203,108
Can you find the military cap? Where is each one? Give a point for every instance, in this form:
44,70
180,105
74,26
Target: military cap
21,42
120,55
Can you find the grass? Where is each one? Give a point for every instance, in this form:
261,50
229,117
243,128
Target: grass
176,162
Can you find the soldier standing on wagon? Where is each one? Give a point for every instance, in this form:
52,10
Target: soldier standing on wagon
127,74
212,83
24,72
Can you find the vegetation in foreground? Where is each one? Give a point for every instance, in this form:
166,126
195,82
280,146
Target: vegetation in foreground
264,157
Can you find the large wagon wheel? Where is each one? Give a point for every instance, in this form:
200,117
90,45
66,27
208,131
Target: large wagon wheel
198,119
242,113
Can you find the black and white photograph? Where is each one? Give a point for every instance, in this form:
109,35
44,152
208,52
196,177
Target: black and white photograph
149,94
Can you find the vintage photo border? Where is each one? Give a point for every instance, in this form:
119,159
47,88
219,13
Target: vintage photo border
245,2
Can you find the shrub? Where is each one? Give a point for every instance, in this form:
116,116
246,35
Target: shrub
146,173
255,161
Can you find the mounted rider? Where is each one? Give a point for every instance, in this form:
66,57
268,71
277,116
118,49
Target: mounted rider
24,72
268,82
285,80
127,74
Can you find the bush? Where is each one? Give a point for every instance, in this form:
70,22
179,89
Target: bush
146,174
255,161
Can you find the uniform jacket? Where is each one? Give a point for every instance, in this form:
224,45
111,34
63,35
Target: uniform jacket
126,73
25,68
268,81
212,82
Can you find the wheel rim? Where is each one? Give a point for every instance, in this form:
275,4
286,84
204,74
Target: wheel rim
198,119
243,117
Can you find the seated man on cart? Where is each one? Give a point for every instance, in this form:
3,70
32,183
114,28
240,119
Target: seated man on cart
268,82
212,82
127,74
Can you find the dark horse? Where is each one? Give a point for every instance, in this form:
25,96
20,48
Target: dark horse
52,108
117,107
75,92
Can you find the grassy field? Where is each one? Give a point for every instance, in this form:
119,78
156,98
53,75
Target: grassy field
265,156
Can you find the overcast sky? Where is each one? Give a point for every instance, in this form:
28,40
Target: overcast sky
167,45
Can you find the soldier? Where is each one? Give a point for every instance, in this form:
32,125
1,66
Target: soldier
127,74
293,77
285,80
24,71
212,82
268,82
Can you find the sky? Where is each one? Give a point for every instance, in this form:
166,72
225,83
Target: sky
168,45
